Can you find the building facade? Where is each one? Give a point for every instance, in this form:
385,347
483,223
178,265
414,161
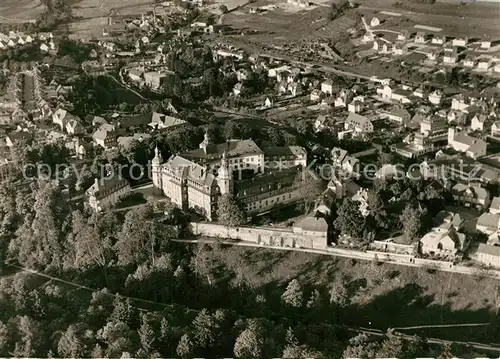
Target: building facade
196,179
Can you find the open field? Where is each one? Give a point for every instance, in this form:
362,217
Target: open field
91,16
473,20
385,295
15,11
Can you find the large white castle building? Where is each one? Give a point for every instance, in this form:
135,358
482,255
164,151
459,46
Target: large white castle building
260,178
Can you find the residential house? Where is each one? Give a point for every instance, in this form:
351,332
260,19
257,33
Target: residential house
374,22
462,142
433,54
362,198
442,242
315,95
488,223
74,127
136,74
161,121
460,41
398,49
104,138
17,137
469,61
485,45
126,142
321,122
471,195
355,106
477,123
401,95
495,205
399,115
61,117
450,57
496,67
156,79
381,46
404,35
435,97
488,255
105,193
77,147
456,117
327,87
420,37
238,89
460,102
420,92
495,129
438,40
484,64
360,124
269,102
345,164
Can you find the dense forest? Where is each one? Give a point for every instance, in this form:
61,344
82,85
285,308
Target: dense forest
113,285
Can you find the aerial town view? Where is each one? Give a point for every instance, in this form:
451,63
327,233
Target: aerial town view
250,179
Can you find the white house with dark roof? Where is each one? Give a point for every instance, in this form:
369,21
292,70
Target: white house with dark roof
442,242
460,41
327,87
488,223
462,142
438,40
488,255
345,163
61,117
105,193
399,115
495,205
360,124
160,121
472,195
477,122
420,37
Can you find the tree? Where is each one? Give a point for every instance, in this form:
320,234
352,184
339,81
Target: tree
69,345
392,347
339,296
40,242
134,239
250,343
309,188
230,211
411,220
361,347
92,249
349,220
293,295
185,347
205,328
29,335
377,209
146,336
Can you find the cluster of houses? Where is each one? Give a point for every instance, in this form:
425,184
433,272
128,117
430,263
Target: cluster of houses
15,39
478,55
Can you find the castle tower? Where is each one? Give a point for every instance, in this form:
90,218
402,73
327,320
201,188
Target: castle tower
224,176
156,169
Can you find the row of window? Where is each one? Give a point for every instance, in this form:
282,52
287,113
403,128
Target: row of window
267,202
